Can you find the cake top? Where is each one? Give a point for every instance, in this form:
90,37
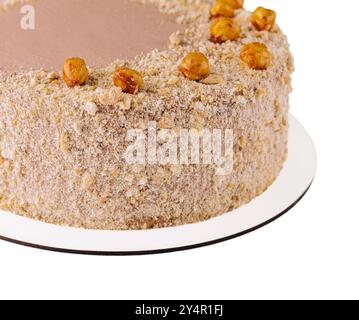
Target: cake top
237,70
99,30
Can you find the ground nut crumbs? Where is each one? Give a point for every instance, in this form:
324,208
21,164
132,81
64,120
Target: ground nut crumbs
91,108
213,79
74,159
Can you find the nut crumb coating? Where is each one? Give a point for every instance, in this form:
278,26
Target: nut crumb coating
61,148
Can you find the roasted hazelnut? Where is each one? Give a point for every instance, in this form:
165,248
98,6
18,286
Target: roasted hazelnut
263,19
235,4
256,55
222,8
195,66
224,29
130,81
75,72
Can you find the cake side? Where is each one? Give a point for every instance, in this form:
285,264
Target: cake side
62,149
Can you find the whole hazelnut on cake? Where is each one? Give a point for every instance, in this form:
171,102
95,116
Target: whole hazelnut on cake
224,29
235,4
222,8
263,19
256,55
75,72
130,81
195,66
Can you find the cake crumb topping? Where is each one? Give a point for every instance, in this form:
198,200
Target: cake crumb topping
91,108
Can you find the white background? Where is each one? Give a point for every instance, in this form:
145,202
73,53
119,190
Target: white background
312,252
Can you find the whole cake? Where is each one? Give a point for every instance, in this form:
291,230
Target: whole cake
111,110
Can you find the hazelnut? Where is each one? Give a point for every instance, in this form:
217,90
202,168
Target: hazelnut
235,4
256,55
130,81
224,29
75,72
263,19
195,66
221,8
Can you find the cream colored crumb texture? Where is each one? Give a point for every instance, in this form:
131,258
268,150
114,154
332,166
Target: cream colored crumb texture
62,148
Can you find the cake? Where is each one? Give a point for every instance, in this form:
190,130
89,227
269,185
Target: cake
79,79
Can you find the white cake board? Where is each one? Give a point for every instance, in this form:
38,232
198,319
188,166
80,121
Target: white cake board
290,187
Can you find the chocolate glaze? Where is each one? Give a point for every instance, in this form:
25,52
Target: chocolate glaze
100,31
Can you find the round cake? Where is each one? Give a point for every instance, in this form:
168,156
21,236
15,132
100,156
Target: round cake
137,114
